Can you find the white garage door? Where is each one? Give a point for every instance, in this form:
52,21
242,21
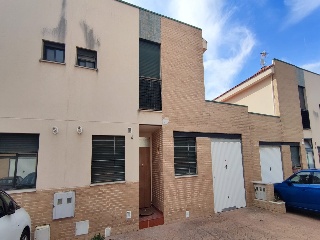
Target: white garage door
227,171
271,164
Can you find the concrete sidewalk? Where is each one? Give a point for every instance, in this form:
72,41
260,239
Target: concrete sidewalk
246,223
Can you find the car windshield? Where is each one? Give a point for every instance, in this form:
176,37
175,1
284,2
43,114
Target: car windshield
301,178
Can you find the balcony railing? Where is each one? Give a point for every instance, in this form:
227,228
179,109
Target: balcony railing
305,119
150,94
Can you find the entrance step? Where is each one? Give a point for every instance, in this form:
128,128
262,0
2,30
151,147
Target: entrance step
152,220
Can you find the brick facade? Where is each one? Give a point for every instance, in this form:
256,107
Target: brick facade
157,171
104,206
184,106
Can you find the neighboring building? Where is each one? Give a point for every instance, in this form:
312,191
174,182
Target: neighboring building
289,92
102,113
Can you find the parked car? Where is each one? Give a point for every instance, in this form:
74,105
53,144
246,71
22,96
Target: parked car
8,182
301,190
15,222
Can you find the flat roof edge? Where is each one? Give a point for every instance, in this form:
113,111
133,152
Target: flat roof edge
262,114
226,103
132,5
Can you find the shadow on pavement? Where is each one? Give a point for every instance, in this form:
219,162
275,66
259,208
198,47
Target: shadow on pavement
303,212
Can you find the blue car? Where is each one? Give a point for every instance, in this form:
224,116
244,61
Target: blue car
301,190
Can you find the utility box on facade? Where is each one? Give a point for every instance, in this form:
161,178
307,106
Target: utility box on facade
260,191
63,204
42,233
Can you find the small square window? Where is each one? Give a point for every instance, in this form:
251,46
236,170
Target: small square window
86,58
53,52
185,156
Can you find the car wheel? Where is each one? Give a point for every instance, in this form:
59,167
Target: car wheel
25,235
277,196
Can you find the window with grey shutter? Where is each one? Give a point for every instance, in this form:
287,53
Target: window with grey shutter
86,58
149,76
108,159
18,160
185,156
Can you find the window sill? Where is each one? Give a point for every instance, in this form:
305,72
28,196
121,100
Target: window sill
21,190
149,110
93,69
107,183
43,60
186,176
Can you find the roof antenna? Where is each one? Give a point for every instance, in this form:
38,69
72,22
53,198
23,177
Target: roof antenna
263,56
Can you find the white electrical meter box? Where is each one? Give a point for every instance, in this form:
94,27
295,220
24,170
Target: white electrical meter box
260,191
42,233
64,204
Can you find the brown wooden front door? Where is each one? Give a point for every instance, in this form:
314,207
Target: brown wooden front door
144,177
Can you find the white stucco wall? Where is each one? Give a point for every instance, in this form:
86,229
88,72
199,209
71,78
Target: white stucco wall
36,95
312,87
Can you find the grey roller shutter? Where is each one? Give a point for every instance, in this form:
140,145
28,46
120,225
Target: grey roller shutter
149,59
108,159
19,143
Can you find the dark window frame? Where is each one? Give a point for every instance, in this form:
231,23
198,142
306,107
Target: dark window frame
185,156
293,151
108,159
302,97
150,85
17,157
86,57
54,46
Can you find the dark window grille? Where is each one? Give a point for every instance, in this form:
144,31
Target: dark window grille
185,156
54,52
108,159
305,119
150,94
86,58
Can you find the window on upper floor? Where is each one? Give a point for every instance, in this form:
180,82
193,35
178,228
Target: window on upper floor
108,159
86,58
302,97
18,160
54,52
185,156
304,110
149,76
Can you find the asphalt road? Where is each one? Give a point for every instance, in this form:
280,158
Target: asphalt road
246,223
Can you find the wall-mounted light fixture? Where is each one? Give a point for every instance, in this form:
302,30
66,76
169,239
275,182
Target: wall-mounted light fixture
55,130
79,130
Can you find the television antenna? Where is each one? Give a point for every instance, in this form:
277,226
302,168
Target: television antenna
263,56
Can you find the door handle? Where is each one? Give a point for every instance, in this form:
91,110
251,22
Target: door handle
226,167
270,168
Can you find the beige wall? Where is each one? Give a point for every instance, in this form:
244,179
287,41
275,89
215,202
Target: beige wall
65,92
64,159
37,95
258,97
312,86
